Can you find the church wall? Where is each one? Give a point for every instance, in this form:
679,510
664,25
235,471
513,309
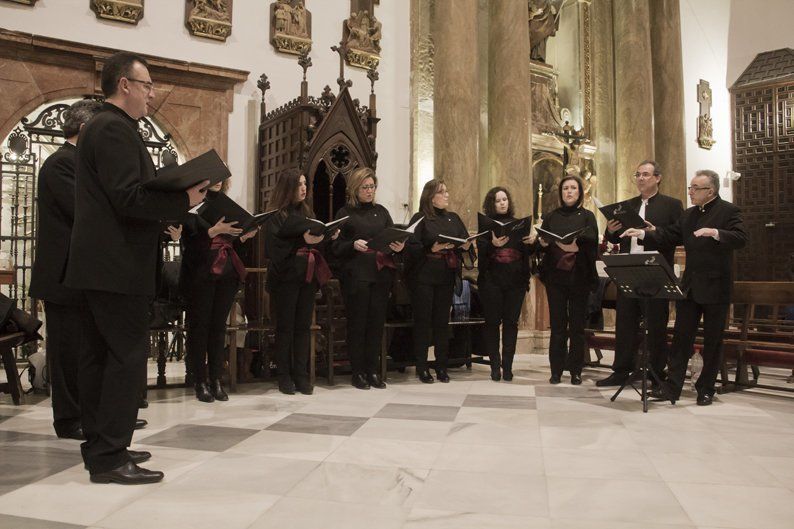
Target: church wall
162,33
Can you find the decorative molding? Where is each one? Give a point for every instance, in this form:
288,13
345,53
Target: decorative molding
129,11
210,19
587,66
362,59
291,27
23,2
705,126
361,35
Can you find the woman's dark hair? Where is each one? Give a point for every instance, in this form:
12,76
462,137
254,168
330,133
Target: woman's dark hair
426,200
489,203
578,183
283,195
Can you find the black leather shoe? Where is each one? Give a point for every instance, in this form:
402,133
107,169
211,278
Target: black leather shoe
615,379
203,392
496,374
139,457
661,393
425,376
576,379
507,374
217,391
286,386
555,379
140,424
128,474
75,433
375,381
442,375
304,386
705,399
358,381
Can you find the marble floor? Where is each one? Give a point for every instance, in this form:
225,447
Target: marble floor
469,454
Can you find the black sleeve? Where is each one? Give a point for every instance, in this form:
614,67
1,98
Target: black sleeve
342,247
61,185
733,235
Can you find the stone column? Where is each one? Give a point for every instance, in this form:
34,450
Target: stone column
509,102
633,91
603,121
456,104
668,96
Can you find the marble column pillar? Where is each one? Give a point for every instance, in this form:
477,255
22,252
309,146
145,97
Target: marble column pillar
456,104
509,102
603,118
668,96
634,110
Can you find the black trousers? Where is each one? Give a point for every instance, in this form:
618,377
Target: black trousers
627,325
501,305
208,305
431,305
293,305
365,309
688,314
65,340
567,312
116,330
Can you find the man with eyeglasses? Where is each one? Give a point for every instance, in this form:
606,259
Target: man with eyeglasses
711,230
657,210
112,259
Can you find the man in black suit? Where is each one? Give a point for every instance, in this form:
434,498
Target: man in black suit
112,260
659,210
710,231
62,305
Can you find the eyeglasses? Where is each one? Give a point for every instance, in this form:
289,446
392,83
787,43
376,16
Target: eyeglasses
644,176
369,187
148,84
695,188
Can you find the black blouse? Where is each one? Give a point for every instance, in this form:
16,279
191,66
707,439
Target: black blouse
422,269
365,222
283,238
565,220
506,275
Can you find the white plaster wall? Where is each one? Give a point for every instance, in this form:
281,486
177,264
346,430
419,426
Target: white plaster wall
162,32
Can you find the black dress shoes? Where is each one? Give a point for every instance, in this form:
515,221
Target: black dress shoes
496,375
662,393
705,399
139,457
304,386
615,379
576,379
74,433
286,386
128,474
442,375
140,424
217,391
359,381
203,392
555,379
375,381
507,375
425,376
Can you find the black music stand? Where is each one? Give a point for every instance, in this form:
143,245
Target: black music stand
643,276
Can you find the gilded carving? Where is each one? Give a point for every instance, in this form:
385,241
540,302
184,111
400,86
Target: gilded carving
544,22
290,27
24,2
705,127
211,19
361,38
130,11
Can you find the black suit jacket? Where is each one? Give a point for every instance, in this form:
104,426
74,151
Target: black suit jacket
708,276
56,216
115,236
661,211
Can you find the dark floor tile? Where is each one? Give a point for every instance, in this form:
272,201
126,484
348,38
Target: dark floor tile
17,522
11,436
568,392
500,401
318,424
22,464
199,437
418,412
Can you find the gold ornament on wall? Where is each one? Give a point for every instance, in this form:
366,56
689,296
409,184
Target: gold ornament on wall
23,2
705,127
130,11
361,35
291,27
211,19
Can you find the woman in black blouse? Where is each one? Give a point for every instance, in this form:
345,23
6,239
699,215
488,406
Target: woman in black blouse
433,271
367,276
569,274
296,269
210,275
503,282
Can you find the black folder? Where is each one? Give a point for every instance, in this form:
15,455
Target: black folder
457,241
622,212
219,206
566,238
208,166
518,227
294,226
381,242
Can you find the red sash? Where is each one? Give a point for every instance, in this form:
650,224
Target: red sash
506,255
450,256
225,250
316,266
383,260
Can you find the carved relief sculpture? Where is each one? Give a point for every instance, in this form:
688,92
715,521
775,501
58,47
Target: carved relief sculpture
290,27
209,18
705,128
130,11
361,36
544,22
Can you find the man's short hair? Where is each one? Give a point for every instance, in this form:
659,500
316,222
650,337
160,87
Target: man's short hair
657,170
77,114
714,178
117,66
